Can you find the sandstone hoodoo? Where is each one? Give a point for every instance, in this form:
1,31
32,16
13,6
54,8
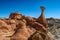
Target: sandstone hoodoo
20,27
42,18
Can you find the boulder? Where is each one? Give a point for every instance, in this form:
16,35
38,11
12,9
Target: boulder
16,15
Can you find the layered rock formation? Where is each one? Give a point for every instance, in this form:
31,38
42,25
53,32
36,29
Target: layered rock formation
20,27
54,27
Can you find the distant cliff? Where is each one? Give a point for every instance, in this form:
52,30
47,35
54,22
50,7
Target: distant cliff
54,27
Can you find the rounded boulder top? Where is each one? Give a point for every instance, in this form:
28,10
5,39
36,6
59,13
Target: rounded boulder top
17,13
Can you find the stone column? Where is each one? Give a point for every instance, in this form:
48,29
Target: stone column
42,9
41,19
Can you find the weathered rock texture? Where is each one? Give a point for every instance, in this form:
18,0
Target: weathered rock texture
20,27
54,27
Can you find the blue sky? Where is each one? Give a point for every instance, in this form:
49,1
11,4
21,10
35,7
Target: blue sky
30,7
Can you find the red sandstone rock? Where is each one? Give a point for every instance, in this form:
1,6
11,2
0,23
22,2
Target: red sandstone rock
22,32
42,19
38,26
16,15
19,27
